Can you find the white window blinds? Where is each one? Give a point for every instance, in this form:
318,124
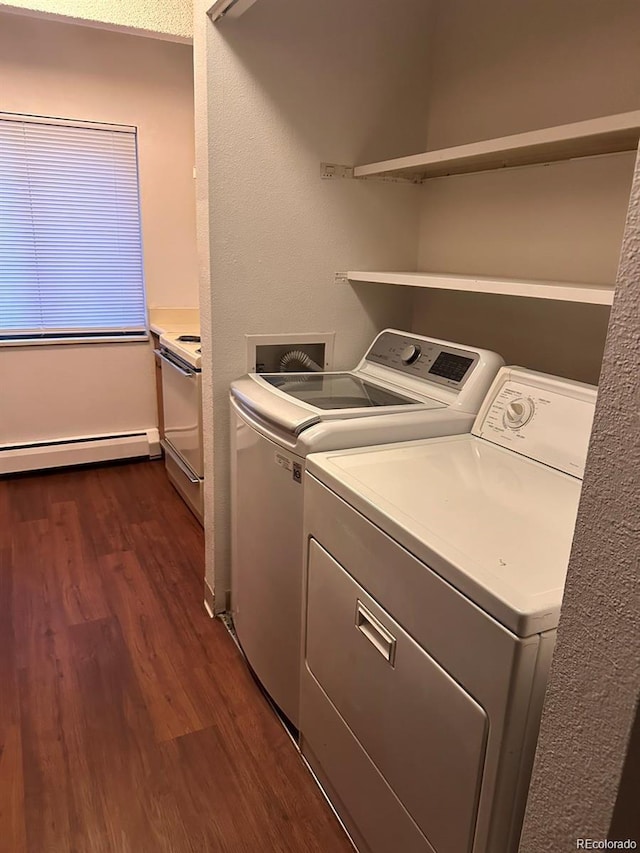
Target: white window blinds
70,244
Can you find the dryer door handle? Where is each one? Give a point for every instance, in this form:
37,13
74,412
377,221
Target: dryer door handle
383,641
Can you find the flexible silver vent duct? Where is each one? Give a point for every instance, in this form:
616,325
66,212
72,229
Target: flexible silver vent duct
295,360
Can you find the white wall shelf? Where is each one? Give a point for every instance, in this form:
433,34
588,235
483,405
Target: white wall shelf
606,135
594,294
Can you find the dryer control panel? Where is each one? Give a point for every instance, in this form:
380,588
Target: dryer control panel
422,358
545,418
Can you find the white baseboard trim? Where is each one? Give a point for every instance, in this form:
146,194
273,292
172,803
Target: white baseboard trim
78,450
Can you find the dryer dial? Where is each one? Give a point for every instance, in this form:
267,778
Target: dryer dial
518,412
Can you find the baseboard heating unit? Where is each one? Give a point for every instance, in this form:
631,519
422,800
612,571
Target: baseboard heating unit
78,450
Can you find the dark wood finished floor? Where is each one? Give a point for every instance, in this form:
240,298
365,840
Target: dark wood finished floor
128,720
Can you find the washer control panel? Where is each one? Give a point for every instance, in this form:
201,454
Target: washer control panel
424,359
545,418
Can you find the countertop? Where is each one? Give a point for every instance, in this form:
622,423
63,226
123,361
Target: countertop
174,321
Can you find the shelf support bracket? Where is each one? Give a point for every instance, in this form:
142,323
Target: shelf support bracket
331,171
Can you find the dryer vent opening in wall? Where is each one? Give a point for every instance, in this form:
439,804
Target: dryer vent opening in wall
289,352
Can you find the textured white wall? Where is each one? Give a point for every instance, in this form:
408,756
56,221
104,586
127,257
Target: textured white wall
595,678
291,85
502,67
58,69
170,19
201,63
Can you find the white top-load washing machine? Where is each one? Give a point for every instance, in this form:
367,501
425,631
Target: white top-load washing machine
406,386
434,579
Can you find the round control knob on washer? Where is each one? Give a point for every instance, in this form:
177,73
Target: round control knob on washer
518,412
410,354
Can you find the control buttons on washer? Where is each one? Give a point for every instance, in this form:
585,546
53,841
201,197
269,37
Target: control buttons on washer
518,412
410,353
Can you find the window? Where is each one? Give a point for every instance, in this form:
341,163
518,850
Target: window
70,244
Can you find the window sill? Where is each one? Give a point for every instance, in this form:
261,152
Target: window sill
143,337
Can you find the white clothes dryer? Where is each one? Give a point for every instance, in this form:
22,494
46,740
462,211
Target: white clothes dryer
405,387
434,578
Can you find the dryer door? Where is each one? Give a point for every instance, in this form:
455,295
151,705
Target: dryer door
421,730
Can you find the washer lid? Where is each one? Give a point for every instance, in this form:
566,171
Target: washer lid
319,397
262,403
329,391
496,525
